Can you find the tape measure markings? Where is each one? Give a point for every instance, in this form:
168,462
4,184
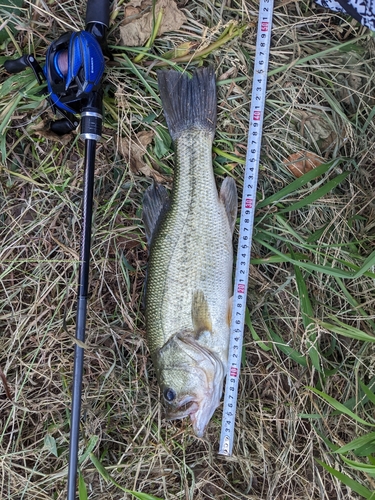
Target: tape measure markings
258,98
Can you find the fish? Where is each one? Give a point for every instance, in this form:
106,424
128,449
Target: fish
190,264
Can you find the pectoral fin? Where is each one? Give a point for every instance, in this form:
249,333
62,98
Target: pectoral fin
228,196
200,313
229,312
155,205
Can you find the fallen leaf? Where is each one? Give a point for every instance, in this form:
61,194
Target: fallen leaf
314,126
139,20
328,143
134,149
318,127
42,130
302,162
230,72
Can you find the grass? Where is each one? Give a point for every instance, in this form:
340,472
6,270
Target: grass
304,426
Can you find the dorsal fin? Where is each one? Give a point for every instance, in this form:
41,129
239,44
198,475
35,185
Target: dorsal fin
228,196
155,205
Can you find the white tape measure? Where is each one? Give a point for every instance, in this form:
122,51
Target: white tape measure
258,98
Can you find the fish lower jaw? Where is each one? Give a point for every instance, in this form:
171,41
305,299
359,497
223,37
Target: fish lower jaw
202,417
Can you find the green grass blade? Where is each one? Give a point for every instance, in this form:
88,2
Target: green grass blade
357,443
316,55
368,263
359,466
331,271
307,315
276,259
286,349
254,334
354,485
340,407
306,308
82,490
347,331
368,392
139,75
335,105
316,234
368,120
329,444
91,445
144,496
366,451
100,468
354,303
107,477
300,182
316,195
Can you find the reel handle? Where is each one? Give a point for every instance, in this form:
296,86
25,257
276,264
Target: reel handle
97,11
16,65
27,61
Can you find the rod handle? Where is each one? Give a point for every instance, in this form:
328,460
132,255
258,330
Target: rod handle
97,11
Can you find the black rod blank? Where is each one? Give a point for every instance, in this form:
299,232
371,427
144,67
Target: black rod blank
83,284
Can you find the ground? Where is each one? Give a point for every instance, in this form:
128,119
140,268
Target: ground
308,371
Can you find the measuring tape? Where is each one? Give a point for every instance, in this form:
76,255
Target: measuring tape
258,98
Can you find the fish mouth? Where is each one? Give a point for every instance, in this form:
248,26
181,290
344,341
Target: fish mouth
200,408
203,414
186,407
200,413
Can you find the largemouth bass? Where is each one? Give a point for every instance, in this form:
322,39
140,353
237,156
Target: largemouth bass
189,282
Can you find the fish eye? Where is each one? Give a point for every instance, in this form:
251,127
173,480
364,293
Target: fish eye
169,394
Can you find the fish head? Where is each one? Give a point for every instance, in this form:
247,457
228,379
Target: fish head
191,378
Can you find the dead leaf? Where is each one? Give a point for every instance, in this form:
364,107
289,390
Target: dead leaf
133,151
314,126
329,143
139,20
302,162
42,130
230,72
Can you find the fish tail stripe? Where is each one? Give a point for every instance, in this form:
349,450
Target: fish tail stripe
188,103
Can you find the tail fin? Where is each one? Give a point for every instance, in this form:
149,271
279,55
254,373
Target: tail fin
188,102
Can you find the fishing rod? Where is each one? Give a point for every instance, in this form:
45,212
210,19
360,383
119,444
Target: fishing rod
73,72
258,100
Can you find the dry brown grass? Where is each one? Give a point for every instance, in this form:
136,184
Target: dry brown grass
323,105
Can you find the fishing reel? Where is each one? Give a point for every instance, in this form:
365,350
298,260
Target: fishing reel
73,71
